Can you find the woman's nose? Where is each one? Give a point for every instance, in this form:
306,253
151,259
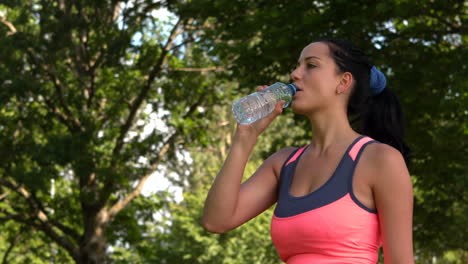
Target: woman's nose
295,74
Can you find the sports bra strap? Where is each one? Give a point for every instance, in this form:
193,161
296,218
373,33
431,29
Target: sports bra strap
296,155
353,153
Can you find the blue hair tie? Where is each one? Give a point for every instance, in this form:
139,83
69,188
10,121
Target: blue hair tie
378,82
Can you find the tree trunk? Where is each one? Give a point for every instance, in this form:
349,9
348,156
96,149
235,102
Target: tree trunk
93,244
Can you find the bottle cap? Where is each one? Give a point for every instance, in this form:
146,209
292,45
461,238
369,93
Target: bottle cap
293,87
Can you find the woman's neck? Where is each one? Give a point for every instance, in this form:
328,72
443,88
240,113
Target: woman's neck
329,130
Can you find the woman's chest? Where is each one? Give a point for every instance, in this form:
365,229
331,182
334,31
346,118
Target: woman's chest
312,173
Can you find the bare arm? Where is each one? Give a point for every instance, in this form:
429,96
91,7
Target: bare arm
393,193
230,203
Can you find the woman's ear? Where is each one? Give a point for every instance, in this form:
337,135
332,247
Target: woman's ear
345,83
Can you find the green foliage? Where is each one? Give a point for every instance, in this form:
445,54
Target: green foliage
132,234
187,242
74,72
77,92
22,244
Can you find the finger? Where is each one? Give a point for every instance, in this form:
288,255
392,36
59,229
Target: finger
262,124
278,110
261,87
279,106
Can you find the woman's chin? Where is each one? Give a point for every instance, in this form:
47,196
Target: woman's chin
296,108
299,109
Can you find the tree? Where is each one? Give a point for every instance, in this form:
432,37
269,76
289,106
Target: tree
81,79
77,89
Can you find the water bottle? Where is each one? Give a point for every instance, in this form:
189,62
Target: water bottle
257,105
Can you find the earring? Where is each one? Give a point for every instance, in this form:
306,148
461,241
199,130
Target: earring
338,92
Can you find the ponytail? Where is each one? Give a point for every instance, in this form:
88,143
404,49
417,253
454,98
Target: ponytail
383,120
371,102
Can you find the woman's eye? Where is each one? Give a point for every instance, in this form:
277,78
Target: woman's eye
309,66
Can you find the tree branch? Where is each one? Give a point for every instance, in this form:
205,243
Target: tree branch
39,212
453,27
116,10
191,38
10,248
117,207
214,68
59,94
66,118
59,114
27,196
83,57
40,216
144,91
15,217
62,241
3,195
50,70
9,25
47,229
153,166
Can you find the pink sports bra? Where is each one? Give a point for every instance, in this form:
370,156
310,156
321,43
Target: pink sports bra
328,225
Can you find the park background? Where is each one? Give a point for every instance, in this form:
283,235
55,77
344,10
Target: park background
104,102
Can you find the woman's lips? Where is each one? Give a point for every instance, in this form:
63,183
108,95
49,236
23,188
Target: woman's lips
298,89
297,92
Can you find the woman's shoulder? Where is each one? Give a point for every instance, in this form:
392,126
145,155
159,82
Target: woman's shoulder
278,158
284,153
381,154
384,162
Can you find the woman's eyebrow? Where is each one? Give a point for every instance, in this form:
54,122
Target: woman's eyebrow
309,57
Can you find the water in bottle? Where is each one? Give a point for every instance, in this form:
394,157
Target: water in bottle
257,105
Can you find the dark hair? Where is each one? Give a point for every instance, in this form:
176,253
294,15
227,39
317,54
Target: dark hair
378,116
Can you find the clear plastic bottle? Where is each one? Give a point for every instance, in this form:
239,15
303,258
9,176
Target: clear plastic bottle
257,105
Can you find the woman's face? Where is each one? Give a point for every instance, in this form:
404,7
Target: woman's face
316,79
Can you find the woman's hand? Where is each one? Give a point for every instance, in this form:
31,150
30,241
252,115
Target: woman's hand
256,128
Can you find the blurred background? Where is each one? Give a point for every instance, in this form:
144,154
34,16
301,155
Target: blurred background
115,117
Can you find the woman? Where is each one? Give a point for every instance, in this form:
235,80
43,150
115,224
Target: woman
345,194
